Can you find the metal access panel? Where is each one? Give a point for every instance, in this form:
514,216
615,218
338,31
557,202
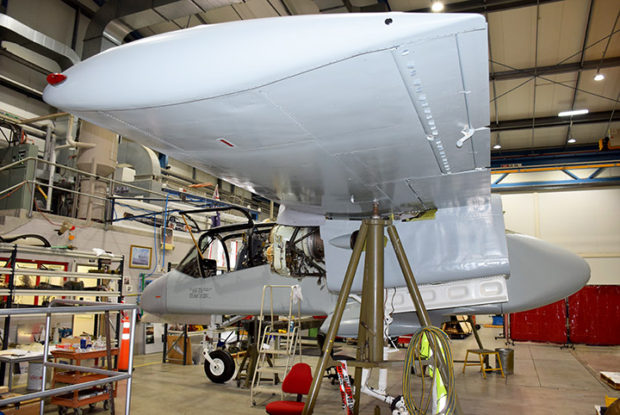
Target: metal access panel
21,198
458,243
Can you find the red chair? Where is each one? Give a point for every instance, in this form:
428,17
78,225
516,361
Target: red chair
297,381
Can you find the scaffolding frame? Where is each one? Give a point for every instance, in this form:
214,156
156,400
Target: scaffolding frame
83,307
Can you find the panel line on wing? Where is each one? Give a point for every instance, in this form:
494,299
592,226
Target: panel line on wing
424,207
413,85
290,116
465,91
138,129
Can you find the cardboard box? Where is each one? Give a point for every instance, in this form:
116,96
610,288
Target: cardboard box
175,354
29,407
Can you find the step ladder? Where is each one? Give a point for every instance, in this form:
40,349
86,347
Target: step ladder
277,347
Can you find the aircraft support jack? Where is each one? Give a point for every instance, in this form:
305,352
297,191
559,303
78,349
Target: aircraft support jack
370,341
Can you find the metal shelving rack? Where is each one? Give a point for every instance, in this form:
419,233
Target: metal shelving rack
108,376
17,253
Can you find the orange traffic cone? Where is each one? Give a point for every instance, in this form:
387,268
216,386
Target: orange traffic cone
123,353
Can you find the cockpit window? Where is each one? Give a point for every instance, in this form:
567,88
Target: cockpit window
219,250
200,265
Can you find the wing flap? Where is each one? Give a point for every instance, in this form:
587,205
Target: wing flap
460,243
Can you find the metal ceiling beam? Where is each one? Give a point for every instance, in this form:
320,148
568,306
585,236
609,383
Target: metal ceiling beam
555,69
484,6
555,121
581,61
80,8
553,156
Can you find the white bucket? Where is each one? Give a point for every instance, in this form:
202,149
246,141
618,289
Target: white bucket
35,376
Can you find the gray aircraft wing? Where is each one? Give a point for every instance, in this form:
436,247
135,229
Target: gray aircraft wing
323,113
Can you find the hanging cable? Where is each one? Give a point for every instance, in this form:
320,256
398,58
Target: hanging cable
12,191
154,245
164,234
9,239
429,345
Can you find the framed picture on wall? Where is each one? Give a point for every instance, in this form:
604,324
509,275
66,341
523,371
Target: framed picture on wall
140,256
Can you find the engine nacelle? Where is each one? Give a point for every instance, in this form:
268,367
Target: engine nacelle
296,252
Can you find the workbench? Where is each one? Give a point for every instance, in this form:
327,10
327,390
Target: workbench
91,396
19,356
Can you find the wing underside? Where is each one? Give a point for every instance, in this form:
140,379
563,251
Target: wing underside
402,125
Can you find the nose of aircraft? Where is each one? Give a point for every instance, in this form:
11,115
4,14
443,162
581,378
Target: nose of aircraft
153,298
541,273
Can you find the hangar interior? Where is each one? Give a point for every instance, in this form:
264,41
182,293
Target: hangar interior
90,215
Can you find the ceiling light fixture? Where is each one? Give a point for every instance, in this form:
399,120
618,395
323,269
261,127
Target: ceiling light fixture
572,112
497,146
437,7
571,141
599,76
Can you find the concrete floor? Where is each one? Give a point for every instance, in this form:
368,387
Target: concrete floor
547,380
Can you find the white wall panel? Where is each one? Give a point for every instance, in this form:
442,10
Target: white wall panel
20,105
534,177
584,221
605,271
88,237
519,213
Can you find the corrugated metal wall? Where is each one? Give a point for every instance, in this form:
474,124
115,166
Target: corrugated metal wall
594,318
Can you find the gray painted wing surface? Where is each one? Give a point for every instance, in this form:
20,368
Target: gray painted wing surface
459,243
325,114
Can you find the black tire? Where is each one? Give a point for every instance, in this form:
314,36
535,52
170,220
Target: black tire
224,368
395,402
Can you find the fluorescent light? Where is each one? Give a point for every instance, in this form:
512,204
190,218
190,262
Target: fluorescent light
571,141
437,6
599,76
497,146
571,113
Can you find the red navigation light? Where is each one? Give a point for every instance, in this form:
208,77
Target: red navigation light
224,141
55,78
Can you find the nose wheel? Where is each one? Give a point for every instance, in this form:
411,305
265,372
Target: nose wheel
219,366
